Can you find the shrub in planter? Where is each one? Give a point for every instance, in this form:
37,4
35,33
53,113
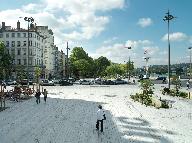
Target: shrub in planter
165,90
183,94
164,104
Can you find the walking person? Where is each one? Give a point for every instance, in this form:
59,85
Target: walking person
45,95
187,84
100,118
37,95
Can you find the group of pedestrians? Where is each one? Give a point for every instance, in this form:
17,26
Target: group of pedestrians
38,94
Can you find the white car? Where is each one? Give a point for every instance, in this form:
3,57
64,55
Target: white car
46,82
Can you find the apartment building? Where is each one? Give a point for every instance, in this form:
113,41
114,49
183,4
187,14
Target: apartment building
16,41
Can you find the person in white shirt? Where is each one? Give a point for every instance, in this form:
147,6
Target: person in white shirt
100,118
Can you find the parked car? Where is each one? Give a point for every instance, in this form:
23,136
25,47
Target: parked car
120,81
85,82
24,82
161,78
46,82
98,81
65,83
3,83
108,82
11,82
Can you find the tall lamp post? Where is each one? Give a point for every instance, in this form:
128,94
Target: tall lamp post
30,20
190,61
129,64
67,62
146,68
168,18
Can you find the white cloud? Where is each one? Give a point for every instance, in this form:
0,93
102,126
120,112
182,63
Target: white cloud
79,19
178,36
118,53
111,40
135,44
144,22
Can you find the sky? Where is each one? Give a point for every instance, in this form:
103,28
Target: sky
107,27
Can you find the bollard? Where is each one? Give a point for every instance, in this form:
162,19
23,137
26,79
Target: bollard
189,95
33,88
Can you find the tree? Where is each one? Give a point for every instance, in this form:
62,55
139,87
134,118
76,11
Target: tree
80,63
37,73
20,72
113,70
5,62
100,65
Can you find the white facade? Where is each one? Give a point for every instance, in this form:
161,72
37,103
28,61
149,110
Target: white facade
16,41
48,50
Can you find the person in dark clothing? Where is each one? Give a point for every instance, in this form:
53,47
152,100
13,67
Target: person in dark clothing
37,95
100,118
45,95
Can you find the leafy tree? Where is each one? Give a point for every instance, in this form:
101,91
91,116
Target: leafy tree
100,65
80,63
5,62
20,72
37,73
113,70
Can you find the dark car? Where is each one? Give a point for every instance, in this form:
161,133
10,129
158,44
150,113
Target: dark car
24,82
120,81
161,78
3,83
65,83
108,82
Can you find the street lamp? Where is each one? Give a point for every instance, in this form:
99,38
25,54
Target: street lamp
30,20
190,60
167,18
67,63
129,64
146,68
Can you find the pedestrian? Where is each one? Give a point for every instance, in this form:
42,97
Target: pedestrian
100,118
45,95
37,95
187,84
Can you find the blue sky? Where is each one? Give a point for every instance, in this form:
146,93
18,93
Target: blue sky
105,27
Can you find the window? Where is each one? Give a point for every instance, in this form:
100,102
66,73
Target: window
18,61
24,61
13,43
13,52
18,35
19,52
1,35
30,43
24,35
30,52
13,35
30,35
30,61
24,51
18,43
7,43
7,35
24,43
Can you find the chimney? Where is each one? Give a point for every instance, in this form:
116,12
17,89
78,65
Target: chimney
3,25
18,24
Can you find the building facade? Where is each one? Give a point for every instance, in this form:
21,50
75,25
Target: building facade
42,52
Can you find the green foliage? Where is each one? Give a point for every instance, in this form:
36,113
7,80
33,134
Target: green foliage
164,104
21,73
113,70
81,64
37,73
100,66
147,91
5,62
